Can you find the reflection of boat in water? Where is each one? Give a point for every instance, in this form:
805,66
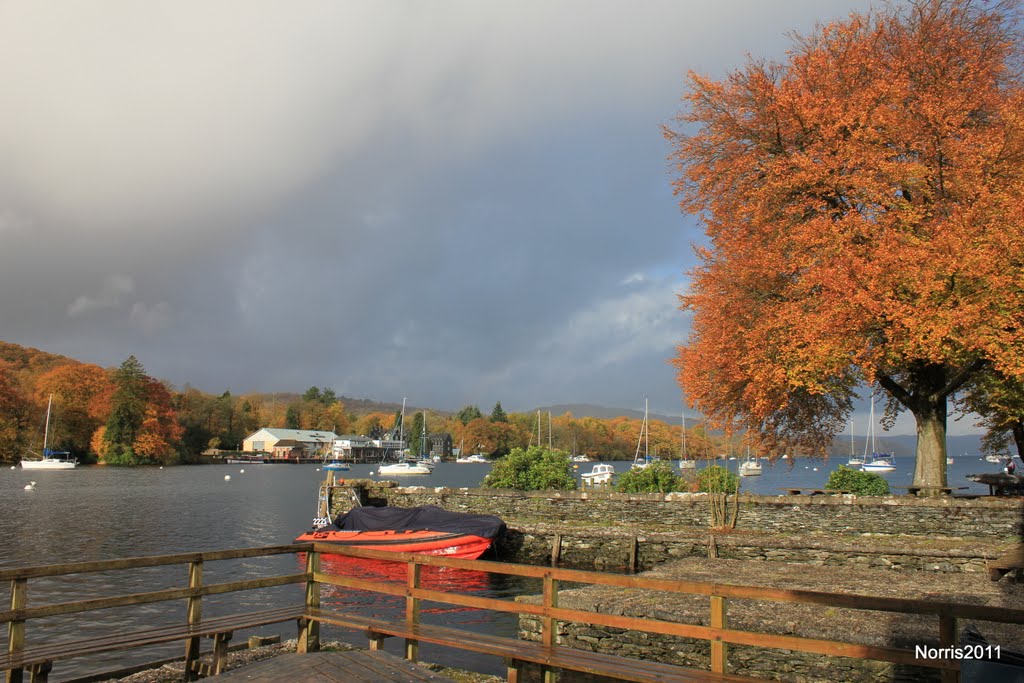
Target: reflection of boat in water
427,530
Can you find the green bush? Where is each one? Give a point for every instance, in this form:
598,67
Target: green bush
717,479
657,477
534,469
858,482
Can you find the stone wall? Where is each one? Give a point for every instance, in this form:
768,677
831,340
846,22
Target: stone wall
612,531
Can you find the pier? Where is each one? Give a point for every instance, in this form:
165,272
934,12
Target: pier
29,654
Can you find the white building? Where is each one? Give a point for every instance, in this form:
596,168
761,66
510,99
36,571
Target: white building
315,442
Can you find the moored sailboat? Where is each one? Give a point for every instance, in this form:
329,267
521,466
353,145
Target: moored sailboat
51,459
877,462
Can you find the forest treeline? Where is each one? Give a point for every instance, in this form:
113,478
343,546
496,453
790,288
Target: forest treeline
123,416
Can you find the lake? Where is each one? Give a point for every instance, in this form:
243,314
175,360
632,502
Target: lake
101,513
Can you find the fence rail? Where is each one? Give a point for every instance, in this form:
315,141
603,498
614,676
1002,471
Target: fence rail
21,614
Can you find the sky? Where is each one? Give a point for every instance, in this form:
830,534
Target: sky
455,202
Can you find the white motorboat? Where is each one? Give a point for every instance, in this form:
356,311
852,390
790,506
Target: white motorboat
50,460
475,458
600,473
402,468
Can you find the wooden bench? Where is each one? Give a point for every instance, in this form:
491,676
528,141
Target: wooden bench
812,492
1004,564
38,659
516,652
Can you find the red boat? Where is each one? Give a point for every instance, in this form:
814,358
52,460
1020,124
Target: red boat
427,530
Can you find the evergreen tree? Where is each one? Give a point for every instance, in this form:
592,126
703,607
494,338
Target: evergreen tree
312,394
498,414
327,396
291,418
127,413
414,433
468,414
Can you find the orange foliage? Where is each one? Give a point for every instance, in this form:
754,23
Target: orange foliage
864,204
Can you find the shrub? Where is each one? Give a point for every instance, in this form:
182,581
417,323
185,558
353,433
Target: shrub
717,479
533,469
858,482
657,477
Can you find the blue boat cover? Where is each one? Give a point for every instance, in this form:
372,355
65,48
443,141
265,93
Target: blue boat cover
426,517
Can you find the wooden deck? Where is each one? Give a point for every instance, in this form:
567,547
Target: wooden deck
354,666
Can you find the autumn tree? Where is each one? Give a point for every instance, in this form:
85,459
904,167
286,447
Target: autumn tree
865,221
14,410
999,403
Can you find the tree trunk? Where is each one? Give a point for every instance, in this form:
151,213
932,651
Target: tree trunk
931,443
1018,437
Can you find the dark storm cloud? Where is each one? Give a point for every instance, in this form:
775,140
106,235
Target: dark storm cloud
458,202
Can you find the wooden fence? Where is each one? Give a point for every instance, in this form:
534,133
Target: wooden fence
20,616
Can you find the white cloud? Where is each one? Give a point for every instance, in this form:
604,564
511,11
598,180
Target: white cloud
113,289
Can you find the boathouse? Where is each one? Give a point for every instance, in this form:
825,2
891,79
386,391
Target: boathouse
312,442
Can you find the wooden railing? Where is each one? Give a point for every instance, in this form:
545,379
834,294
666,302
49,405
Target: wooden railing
718,633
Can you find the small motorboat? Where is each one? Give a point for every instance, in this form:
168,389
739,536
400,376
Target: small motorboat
475,458
405,467
600,473
426,530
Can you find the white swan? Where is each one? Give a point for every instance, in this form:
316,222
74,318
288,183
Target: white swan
31,486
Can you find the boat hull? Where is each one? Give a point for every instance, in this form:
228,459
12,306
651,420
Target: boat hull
463,546
403,469
48,464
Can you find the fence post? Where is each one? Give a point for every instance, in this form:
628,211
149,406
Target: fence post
412,609
194,616
16,628
947,638
549,625
719,619
309,629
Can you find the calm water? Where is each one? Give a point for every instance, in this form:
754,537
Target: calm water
98,513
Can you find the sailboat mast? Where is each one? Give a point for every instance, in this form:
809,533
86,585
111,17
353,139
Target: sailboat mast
46,428
549,430
647,433
401,422
684,436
